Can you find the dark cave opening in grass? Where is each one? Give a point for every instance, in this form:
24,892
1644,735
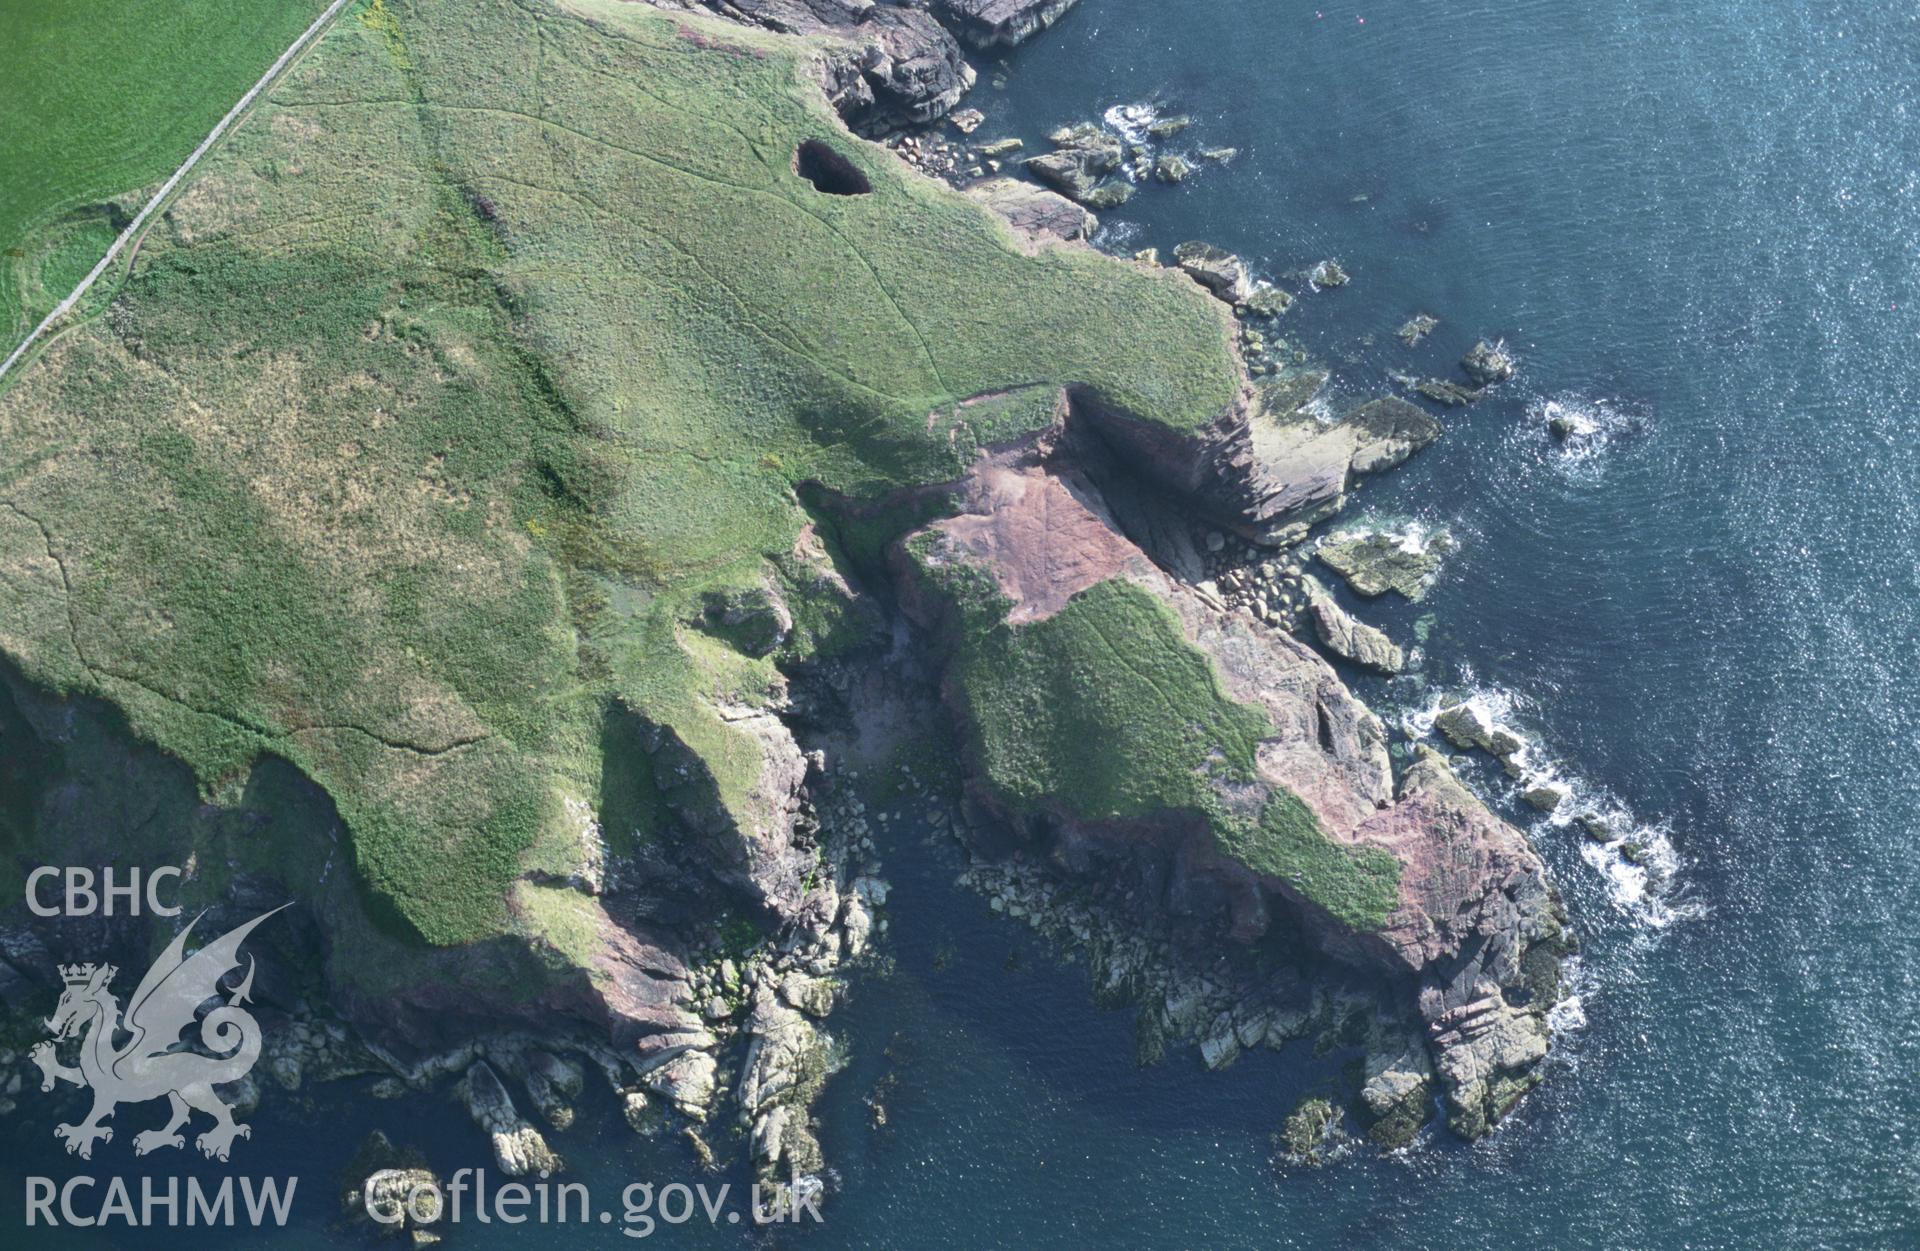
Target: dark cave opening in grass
827,170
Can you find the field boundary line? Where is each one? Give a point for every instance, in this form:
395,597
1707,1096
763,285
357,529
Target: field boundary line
166,189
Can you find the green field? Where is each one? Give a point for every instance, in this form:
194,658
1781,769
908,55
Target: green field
499,342
99,98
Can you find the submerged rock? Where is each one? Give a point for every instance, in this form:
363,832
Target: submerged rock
1310,1131
1416,328
1328,274
1452,394
1488,363
1568,426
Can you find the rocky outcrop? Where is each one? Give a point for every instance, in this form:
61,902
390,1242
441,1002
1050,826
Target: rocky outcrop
1416,328
399,1198
553,1083
518,1148
1488,363
1444,391
1466,725
1216,269
1328,274
687,1080
1483,931
1310,1131
1475,933
1270,466
1376,562
1039,215
1347,638
749,838
999,23
1083,156
894,65
1302,467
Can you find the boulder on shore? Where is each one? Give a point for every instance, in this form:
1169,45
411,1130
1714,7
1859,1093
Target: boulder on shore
1039,214
1347,638
518,1148
1216,269
1082,156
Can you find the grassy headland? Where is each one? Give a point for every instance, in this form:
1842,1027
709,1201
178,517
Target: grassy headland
494,344
1104,712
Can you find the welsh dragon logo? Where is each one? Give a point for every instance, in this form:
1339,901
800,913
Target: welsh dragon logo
153,1062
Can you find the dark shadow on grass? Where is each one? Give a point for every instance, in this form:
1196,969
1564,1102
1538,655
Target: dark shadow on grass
828,171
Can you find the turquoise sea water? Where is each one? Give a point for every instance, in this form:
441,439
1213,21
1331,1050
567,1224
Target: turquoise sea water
1697,224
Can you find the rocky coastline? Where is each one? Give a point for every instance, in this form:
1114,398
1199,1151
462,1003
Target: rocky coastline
721,1031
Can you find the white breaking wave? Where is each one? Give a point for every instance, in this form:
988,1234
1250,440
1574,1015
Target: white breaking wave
1569,1016
1581,432
1635,861
1130,121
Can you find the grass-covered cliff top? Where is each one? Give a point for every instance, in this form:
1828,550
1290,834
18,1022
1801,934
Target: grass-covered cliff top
1104,712
497,337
